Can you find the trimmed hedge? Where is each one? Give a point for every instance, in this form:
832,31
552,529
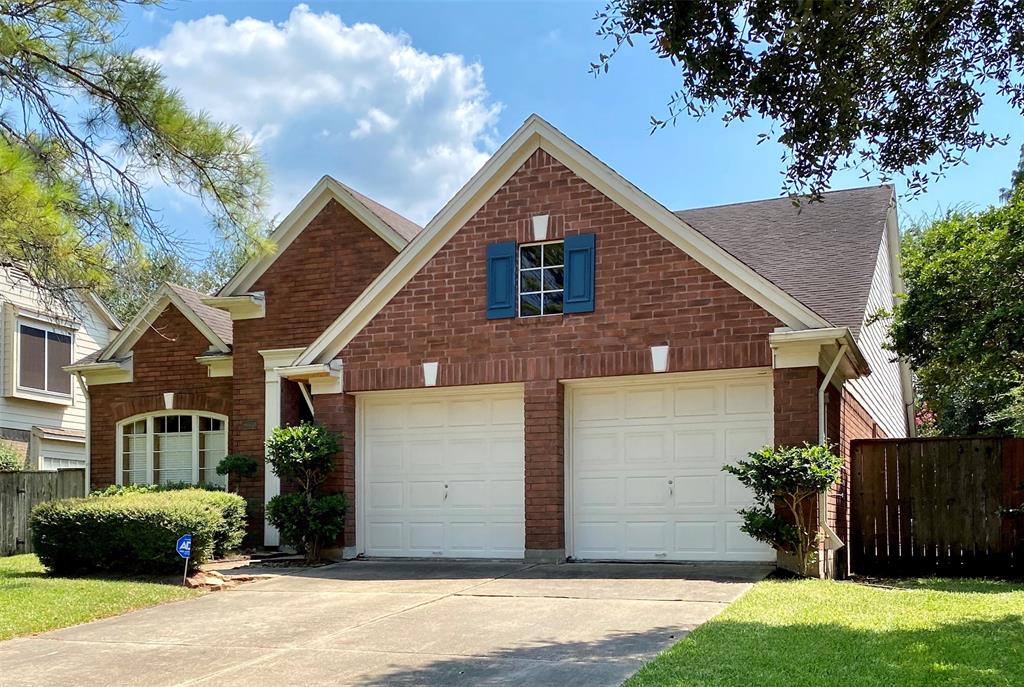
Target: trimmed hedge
135,532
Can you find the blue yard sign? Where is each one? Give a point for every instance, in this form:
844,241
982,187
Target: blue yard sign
184,549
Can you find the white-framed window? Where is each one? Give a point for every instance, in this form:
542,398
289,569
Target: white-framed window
541,278
43,351
172,446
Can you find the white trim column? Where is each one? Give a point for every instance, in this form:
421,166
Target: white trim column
272,360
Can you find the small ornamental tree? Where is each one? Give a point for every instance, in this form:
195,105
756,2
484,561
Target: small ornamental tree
785,482
236,466
304,456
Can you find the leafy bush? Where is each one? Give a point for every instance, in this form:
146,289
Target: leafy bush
10,459
304,456
122,489
135,531
786,482
236,467
306,522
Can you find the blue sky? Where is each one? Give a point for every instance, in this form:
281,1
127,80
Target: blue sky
406,107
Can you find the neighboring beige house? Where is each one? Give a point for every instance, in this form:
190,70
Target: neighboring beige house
42,407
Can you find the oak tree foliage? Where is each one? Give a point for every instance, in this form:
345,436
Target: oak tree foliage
885,86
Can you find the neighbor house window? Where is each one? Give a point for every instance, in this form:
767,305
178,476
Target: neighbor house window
541,278
42,355
172,447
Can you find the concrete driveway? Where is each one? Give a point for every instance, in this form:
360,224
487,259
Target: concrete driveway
395,623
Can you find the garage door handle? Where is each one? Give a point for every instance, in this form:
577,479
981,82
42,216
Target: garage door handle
445,493
671,488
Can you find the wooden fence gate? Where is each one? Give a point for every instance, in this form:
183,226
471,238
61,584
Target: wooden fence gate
937,506
21,491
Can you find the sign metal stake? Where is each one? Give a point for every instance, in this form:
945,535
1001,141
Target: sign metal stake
184,549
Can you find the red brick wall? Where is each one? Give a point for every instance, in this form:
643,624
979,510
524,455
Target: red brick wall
796,405
164,360
647,293
309,285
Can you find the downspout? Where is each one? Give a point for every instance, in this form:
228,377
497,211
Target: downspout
88,431
832,540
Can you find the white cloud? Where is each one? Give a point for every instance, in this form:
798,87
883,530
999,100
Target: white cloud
323,97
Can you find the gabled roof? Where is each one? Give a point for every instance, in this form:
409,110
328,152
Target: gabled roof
212,323
395,230
534,134
823,253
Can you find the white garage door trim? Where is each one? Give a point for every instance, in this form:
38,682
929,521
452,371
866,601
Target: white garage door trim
366,400
574,385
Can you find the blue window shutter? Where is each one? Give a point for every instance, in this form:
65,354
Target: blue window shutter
501,280
579,274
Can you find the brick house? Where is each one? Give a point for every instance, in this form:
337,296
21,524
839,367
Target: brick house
555,366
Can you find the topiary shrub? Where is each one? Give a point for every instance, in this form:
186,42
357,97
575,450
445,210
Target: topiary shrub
10,459
135,531
786,482
236,467
307,519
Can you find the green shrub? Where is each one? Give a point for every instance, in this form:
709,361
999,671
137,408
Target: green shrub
135,531
237,467
786,482
307,519
10,460
306,522
122,489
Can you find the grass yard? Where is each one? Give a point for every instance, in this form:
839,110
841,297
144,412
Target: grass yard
814,632
32,602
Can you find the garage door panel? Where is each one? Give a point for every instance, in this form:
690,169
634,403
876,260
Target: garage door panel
646,403
693,401
696,447
696,491
646,492
444,474
697,539
598,538
742,440
742,399
647,483
386,495
650,446
596,448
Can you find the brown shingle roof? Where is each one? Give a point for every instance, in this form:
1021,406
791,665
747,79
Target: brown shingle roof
217,320
405,228
822,253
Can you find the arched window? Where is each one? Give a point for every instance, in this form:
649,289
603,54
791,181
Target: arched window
171,446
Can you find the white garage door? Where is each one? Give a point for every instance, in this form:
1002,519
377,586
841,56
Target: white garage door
646,466
443,473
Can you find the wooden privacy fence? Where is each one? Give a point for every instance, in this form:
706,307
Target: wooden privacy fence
21,491
937,506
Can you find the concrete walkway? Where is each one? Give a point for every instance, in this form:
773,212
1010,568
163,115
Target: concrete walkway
395,623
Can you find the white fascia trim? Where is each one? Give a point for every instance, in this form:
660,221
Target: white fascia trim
536,134
101,307
49,436
806,345
217,365
124,341
246,306
107,372
322,378
295,222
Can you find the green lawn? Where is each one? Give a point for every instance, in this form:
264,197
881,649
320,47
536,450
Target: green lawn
32,602
814,633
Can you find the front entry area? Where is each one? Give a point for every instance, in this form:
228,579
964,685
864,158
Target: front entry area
441,473
644,463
